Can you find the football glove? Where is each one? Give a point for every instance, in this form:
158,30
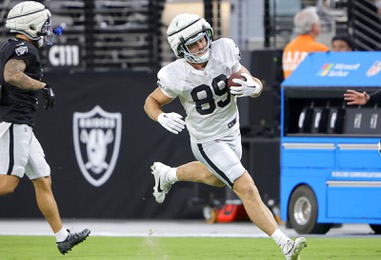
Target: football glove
49,97
173,122
379,147
248,88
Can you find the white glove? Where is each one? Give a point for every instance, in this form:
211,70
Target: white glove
173,122
248,88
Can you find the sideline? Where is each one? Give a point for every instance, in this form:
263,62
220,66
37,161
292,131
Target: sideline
165,228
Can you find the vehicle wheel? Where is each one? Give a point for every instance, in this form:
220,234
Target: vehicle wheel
376,228
303,211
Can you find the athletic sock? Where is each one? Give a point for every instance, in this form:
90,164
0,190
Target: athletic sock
171,176
61,235
279,237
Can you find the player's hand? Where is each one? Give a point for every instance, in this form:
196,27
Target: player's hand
248,88
379,147
173,122
49,97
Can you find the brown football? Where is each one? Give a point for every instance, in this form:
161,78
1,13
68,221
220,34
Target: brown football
234,76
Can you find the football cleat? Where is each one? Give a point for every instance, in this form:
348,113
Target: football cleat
162,186
292,249
72,240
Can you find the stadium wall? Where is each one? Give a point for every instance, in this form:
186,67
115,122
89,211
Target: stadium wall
93,190
100,145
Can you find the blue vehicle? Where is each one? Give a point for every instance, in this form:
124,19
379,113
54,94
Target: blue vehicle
330,164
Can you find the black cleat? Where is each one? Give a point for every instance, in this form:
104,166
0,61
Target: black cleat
72,240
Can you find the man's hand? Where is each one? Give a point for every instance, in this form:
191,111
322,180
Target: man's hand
173,122
248,88
49,97
354,97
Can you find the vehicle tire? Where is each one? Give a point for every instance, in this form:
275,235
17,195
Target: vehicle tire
376,228
303,211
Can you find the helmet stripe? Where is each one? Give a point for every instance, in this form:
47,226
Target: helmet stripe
184,27
26,14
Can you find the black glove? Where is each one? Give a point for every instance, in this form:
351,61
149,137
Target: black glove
49,97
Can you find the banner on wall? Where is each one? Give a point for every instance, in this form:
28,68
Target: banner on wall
327,69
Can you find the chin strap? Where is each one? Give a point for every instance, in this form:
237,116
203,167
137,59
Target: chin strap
40,42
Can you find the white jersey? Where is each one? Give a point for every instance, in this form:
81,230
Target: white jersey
211,110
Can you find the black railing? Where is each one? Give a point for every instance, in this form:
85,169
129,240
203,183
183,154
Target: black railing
101,35
364,24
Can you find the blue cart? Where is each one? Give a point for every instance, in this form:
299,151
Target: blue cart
330,164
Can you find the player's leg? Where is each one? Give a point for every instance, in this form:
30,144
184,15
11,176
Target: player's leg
258,212
38,170
262,217
8,184
46,202
13,156
197,172
165,176
48,207
223,159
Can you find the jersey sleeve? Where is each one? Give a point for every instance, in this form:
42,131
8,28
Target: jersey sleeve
13,49
229,53
164,81
22,51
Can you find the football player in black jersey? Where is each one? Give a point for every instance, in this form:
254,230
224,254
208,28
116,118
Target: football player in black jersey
20,81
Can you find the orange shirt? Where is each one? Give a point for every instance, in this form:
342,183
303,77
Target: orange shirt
297,50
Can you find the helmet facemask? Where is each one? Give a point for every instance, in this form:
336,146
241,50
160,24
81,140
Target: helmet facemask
47,32
200,56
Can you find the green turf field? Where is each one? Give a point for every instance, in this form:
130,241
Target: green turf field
31,247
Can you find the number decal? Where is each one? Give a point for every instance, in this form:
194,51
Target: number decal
206,104
203,96
221,92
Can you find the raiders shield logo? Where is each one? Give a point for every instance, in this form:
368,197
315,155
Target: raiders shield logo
97,136
21,50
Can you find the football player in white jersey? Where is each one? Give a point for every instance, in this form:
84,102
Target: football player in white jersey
199,79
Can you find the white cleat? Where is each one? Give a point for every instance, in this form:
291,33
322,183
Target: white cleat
293,248
162,186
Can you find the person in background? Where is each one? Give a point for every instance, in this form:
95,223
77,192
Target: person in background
341,43
377,3
199,79
307,27
353,97
20,85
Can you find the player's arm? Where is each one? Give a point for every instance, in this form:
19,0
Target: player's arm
154,103
14,75
173,122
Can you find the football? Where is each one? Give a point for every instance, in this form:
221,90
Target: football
234,76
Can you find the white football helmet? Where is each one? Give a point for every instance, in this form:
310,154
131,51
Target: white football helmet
31,19
186,29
